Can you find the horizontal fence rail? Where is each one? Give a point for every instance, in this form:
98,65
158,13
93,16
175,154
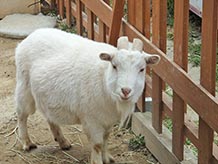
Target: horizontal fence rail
147,20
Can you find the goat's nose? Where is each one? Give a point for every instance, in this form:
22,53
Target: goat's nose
126,91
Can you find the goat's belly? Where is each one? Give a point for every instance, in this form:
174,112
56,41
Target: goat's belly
61,116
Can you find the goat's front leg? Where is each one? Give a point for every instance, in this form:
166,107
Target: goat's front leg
107,157
96,153
95,134
59,137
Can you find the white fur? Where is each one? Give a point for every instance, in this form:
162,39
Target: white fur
63,76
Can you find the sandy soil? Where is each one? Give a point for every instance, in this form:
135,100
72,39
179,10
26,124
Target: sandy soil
48,150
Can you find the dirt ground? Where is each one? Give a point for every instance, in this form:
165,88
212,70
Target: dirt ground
48,151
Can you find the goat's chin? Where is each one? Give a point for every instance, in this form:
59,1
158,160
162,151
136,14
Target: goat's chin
116,97
125,110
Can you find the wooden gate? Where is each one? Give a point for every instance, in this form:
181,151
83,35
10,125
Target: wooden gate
147,20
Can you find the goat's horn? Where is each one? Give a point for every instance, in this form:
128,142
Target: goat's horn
123,43
137,44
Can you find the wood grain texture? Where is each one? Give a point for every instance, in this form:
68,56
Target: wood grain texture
147,17
159,8
79,17
61,8
102,31
180,57
114,28
90,25
208,75
68,12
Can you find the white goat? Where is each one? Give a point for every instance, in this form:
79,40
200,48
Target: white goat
73,80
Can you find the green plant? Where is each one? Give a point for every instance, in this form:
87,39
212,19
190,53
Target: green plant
190,145
169,91
136,142
63,26
168,123
170,12
195,60
194,51
170,35
216,141
170,7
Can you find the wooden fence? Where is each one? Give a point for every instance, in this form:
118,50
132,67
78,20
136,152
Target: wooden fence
147,20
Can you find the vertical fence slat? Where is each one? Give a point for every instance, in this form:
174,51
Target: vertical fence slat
131,11
90,26
139,24
102,31
159,39
208,57
159,16
136,14
157,106
136,18
145,30
79,17
208,71
181,17
61,8
178,126
147,16
116,21
139,15
68,12
147,25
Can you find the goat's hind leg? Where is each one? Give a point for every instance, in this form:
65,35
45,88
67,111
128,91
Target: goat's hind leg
23,133
25,106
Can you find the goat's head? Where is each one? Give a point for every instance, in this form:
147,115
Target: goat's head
126,73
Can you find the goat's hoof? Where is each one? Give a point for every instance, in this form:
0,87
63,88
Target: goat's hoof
66,147
109,160
29,147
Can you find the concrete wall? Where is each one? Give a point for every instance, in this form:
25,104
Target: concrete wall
8,7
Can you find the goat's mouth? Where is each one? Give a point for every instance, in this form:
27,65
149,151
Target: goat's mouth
122,97
125,98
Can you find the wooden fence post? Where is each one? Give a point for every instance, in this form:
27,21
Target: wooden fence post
159,39
136,9
208,72
79,18
90,26
181,18
68,12
61,8
147,17
116,21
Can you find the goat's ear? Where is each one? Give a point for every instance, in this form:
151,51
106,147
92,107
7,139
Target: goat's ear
123,43
106,56
151,59
137,45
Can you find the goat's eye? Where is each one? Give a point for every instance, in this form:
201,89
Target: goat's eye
114,67
141,70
